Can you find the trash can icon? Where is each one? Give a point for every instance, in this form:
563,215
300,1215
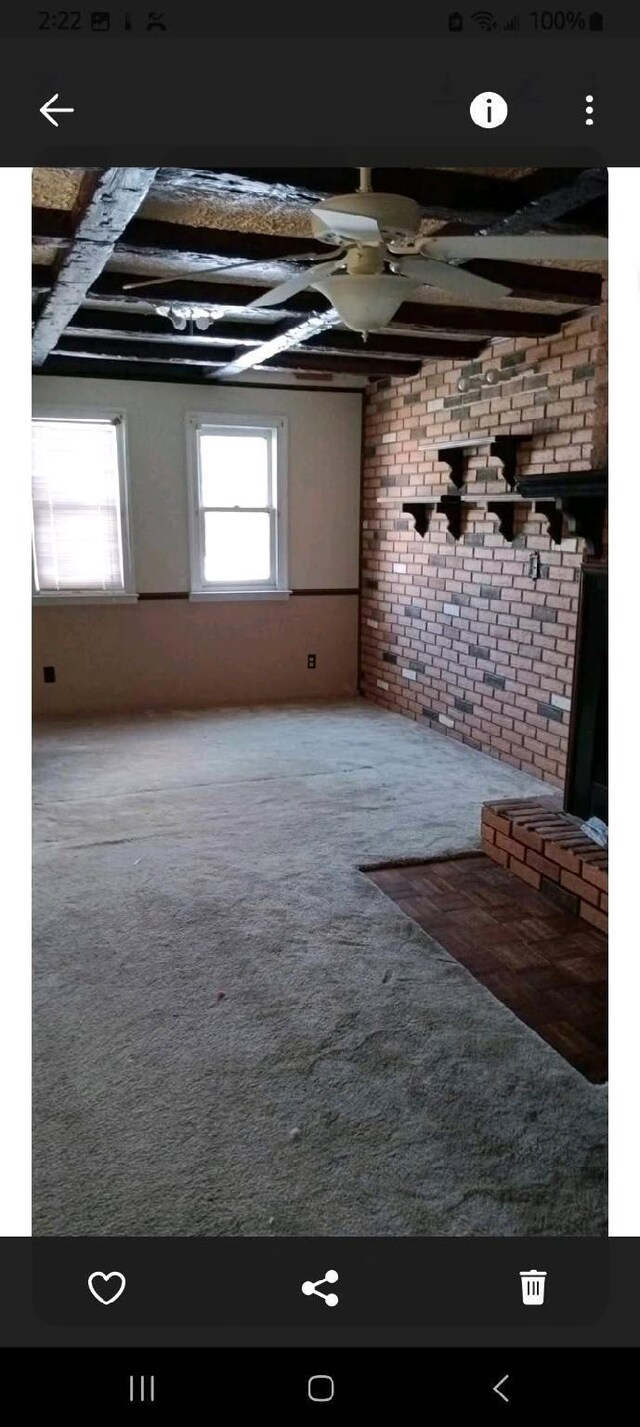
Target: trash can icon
533,1281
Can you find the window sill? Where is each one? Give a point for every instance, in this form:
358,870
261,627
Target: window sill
208,595
81,599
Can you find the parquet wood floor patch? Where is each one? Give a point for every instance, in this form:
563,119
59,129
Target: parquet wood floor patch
548,967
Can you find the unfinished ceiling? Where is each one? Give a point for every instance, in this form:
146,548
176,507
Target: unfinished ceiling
98,232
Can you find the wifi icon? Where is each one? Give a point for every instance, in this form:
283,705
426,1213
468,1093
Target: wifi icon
485,20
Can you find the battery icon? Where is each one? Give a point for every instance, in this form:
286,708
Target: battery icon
596,20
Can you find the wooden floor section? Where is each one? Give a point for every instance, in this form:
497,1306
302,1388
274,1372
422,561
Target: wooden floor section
548,967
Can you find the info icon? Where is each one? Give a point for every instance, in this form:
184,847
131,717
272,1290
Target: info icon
488,110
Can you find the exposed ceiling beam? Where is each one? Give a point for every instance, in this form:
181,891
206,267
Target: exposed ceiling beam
533,281
293,337
53,224
153,238
433,317
156,238
362,362
52,230
41,278
116,196
110,349
123,360
399,344
131,327
363,365
448,194
192,354
198,248
555,204
591,217
92,322
234,295
72,366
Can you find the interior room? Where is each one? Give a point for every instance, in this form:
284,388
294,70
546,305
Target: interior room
320,701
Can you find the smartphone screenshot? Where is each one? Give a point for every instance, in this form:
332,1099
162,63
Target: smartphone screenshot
319,1055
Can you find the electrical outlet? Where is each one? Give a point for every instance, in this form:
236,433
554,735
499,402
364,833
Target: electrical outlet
311,661
49,673
534,566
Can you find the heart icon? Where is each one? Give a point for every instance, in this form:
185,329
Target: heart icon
103,1292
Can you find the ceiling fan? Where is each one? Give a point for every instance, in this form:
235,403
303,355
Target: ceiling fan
381,260
385,260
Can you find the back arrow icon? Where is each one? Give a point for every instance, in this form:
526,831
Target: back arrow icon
49,112
500,1384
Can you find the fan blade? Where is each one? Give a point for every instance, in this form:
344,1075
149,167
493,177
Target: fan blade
354,227
450,279
580,247
277,295
227,268
203,272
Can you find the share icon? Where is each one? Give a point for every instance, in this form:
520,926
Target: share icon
309,1288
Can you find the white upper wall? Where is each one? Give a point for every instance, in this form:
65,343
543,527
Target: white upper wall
324,471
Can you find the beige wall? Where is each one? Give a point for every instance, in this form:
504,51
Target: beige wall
175,653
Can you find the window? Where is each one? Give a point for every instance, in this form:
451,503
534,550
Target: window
238,505
80,528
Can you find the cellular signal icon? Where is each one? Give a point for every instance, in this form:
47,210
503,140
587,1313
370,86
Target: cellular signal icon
513,24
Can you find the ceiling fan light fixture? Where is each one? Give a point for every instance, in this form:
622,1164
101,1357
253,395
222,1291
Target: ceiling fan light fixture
180,314
364,303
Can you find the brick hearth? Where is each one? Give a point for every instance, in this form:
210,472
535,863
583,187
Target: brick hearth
547,849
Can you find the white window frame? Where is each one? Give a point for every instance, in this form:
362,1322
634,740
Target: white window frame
92,596
277,429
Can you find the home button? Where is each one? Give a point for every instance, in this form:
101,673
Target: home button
321,1388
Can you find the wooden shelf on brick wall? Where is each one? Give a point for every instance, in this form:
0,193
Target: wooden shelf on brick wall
574,502
448,505
451,505
454,454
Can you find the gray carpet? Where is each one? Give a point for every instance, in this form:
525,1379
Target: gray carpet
237,1033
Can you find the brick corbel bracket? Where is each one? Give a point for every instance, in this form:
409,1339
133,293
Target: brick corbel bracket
448,505
506,513
504,448
451,507
455,457
421,512
574,502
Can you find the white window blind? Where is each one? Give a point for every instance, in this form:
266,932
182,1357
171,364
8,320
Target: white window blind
77,491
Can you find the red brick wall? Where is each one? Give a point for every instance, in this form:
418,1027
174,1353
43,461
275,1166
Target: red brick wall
458,633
